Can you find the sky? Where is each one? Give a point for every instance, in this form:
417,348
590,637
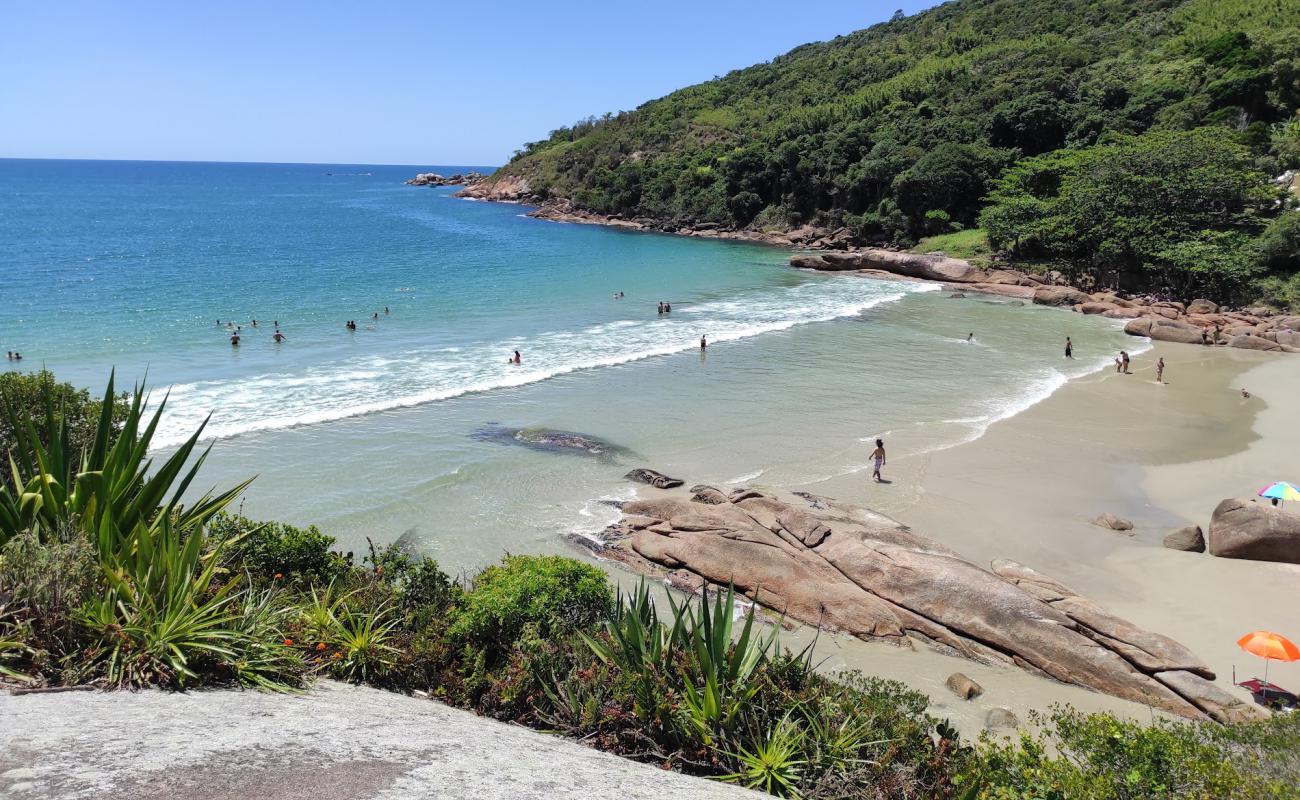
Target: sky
421,83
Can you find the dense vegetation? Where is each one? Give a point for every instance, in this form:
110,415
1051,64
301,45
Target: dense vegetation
107,579
899,131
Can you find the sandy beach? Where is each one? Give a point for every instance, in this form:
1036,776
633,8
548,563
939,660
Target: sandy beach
1159,455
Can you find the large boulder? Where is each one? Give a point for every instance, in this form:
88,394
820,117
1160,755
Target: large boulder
1254,530
848,569
1189,539
1097,307
1060,296
928,267
1202,307
1249,341
1165,330
963,687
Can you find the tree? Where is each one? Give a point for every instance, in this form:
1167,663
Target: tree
1179,205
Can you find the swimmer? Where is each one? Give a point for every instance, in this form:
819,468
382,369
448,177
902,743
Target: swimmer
970,337
279,337
9,355
18,356
234,339
254,323
385,310
518,358
1245,394
704,342
375,315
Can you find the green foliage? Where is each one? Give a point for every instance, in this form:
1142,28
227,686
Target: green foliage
156,615
879,128
773,763
971,244
270,549
1181,206
28,394
1279,246
538,596
1099,757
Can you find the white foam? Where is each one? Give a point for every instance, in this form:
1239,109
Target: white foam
746,478
370,384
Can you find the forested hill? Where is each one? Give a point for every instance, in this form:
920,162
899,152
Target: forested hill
901,130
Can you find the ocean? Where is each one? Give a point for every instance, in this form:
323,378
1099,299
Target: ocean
407,424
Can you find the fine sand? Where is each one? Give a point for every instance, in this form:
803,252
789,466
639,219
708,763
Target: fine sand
1161,456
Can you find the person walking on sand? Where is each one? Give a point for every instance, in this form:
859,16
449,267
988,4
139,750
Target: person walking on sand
878,460
1160,371
1069,348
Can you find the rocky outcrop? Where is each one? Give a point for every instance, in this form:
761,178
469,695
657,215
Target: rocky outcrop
1254,530
1189,539
1165,330
655,479
434,179
1202,307
1248,341
848,569
504,189
1060,296
930,267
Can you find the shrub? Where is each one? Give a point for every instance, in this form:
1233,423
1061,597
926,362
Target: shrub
26,394
267,549
540,596
1100,757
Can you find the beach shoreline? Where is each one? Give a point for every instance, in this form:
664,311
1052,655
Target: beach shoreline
1161,455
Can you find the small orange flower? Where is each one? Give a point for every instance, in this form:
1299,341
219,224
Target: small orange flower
279,575
288,642
337,656
320,646
379,570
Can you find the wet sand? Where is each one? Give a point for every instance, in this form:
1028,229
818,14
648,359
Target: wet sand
1160,455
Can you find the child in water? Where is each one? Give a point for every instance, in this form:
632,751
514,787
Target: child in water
878,460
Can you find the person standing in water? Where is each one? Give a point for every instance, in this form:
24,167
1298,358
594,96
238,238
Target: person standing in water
234,339
279,337
518,359
878,460
1069,348
704,342
1160,371
970,337
1123,354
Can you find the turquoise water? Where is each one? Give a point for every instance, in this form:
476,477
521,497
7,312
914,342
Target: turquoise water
372,433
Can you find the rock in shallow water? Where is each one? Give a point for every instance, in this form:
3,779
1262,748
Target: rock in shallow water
963,687
846,569
547,440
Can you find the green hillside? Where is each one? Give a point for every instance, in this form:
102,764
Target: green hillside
899,131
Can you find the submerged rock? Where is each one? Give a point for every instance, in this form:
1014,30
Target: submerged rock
1001,717
547,440
847,569
963,687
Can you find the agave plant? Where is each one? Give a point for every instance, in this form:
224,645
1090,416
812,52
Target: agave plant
112,487
366,641
772,763
719,687
639,644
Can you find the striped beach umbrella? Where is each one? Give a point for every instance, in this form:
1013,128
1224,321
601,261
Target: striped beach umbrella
1280,491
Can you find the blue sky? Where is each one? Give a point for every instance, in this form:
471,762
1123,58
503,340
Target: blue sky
348,82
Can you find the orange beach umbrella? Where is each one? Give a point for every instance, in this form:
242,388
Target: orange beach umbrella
1270,647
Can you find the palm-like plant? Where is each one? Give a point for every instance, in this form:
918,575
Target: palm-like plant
109,489
719,687
774,762
163,614
639,644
